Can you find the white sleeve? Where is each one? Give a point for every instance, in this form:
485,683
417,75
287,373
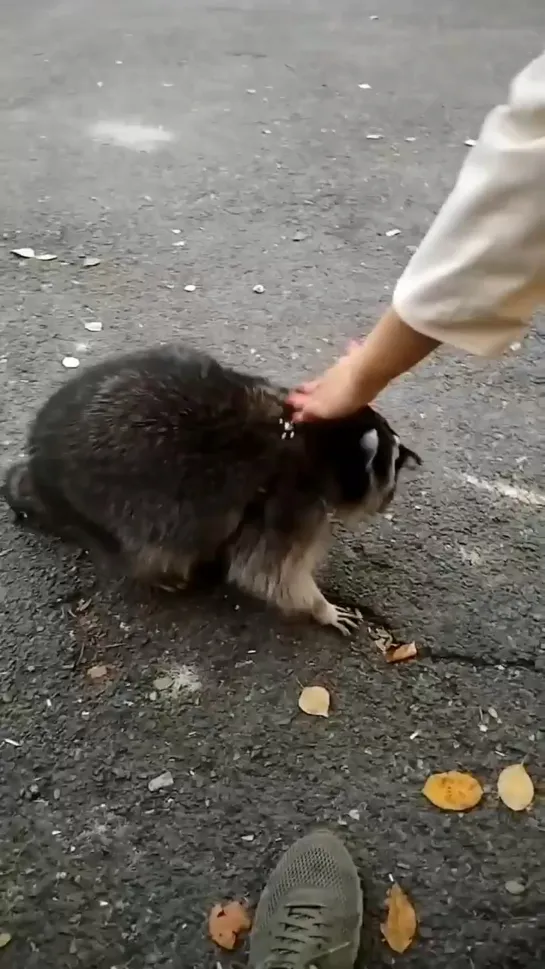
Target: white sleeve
479,273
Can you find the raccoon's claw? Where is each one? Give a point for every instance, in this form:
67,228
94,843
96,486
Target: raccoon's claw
175,585
344,619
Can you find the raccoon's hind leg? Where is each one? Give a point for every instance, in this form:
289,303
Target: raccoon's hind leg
158,566
287,581
19,493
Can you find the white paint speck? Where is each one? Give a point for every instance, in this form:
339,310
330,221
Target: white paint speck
185,680
70,363
373,137
136,137
176,232
179,244
500,489
364,87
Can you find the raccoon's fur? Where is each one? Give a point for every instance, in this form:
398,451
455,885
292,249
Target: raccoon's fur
166,459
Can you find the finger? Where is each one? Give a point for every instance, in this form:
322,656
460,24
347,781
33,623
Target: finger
307,388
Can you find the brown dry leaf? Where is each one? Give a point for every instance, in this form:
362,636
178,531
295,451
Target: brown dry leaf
453,791
399,653
226,922
399,929
515,787
97,673
315,700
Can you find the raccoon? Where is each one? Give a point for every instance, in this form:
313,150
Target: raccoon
166,459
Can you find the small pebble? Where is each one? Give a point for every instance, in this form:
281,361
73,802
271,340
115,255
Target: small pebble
161,781
515,887
393,232
90,261
259,288
70,363
190,288
94,326
162,683
364,87
470,142
373,137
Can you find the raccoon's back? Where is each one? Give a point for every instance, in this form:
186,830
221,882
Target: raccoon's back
163,418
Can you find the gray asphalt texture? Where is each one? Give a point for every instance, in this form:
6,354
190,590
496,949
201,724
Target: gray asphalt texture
283,188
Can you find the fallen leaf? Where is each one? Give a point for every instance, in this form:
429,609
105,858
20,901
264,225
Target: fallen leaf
5,939
46,256
314,700
399,929
453,791
25,253
399,653
96,673
515,787
226,922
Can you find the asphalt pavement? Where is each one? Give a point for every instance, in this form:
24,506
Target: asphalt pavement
281,143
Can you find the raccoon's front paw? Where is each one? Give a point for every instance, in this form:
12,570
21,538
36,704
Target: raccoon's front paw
345,619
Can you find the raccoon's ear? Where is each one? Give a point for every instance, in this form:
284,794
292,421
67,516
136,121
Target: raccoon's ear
408,459
369,446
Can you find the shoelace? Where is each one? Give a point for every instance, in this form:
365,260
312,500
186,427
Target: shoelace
300,924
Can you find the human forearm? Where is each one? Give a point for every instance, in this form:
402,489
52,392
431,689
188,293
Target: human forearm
479,274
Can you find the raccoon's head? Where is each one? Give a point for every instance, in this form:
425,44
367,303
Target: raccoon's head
367,458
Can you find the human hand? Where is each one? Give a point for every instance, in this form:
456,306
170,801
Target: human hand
337,393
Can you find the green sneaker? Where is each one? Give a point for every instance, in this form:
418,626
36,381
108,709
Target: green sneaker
310,912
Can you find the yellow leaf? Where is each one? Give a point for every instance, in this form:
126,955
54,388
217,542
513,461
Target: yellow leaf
515,787
399,929
398,653
226,922
314,700
453,791
5,939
